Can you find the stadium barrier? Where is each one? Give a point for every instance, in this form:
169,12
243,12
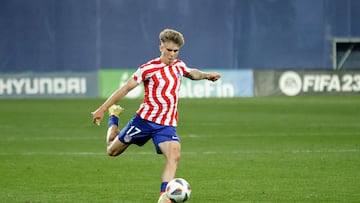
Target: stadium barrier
49,85
303,82
233,83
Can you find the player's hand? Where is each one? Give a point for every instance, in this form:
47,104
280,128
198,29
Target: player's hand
97,116
213,76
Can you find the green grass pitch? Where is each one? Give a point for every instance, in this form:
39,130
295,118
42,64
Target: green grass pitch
266,149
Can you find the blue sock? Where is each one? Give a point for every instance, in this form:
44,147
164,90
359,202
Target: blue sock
113,120
163,187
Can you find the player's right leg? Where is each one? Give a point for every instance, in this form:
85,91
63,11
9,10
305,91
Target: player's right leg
114,146
112,132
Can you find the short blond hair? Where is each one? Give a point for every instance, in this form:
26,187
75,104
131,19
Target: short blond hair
170,35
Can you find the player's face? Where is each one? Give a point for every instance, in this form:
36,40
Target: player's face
169,52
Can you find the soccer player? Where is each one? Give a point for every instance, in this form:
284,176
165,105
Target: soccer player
157,116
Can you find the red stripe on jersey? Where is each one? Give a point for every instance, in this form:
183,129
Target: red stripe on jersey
156,61
155,96
176,116
150,66
173,92
150,103
165,96
146,92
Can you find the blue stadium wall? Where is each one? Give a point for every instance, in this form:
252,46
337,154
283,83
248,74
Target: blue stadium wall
89,35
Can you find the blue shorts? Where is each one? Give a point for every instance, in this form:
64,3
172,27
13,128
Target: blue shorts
138,131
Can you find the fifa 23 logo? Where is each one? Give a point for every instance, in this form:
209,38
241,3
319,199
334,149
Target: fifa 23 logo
291,83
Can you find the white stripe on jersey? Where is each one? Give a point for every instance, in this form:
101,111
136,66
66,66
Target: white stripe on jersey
161,85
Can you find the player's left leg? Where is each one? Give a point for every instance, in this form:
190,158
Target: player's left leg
172,153
167,142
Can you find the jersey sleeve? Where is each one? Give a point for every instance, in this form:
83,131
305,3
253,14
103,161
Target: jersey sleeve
138,76
186,70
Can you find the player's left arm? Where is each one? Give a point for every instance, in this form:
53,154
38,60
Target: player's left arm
196,74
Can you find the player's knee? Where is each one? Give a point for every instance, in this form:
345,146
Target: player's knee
116,149
112,152
171,150
176,155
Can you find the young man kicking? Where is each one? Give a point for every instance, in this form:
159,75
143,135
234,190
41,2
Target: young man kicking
157,116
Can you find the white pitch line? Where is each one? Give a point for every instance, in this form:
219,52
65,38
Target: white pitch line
194,136
186,152
55,138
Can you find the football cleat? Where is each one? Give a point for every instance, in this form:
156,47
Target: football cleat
164,198
115,110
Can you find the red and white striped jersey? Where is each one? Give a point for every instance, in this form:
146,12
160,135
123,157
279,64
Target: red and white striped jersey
161,85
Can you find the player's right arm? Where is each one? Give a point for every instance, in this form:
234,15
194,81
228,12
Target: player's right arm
116,96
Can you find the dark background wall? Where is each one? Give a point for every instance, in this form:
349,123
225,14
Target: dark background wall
86,35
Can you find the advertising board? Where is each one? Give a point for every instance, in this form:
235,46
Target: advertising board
233,83
293,82
49,85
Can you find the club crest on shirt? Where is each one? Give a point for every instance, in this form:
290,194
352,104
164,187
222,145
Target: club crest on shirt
127,138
